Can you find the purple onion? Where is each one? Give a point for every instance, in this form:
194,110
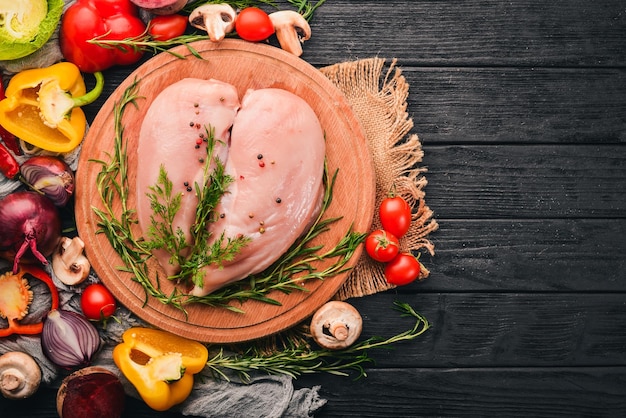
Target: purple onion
30,227
69,339
49,175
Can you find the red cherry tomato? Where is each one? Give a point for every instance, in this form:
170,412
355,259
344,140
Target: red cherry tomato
395,215
382,246
403,269
97,302
166,27
253,24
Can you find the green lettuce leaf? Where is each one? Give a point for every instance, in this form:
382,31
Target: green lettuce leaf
24,28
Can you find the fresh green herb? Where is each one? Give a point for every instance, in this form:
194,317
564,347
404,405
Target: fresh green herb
306,8
297,358
113,187
201,251
145,43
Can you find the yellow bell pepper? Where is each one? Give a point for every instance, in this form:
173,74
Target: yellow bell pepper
42,106
160,365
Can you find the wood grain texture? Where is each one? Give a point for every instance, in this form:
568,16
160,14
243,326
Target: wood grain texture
489,33
478,392
584,181
528,255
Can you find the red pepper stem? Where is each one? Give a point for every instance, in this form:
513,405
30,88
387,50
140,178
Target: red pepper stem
92,95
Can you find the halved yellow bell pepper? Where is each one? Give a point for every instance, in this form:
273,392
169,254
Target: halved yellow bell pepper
42,106
160,365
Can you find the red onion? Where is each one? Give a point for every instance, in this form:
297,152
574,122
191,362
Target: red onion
28,221
69,339
51,176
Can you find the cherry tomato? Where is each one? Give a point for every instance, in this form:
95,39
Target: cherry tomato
395,215
403,269
382,246
166,27
253,24
97,302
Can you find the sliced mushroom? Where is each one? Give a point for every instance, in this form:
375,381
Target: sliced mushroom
20,375
216,19
336,325
291,30
69,263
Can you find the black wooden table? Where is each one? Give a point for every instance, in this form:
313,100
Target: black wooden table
521,108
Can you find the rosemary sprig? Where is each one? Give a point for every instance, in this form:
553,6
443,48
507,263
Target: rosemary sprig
145,43
298,358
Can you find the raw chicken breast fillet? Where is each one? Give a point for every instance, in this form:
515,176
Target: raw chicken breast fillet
272,145
168,137
276,158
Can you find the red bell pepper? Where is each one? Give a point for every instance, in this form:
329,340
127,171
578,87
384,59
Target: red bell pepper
104,19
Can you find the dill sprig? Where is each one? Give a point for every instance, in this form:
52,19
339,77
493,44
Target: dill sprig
297,358
201,251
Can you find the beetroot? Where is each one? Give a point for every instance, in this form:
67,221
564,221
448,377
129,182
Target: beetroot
92,392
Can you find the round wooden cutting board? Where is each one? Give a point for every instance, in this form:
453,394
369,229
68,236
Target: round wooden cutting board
245,65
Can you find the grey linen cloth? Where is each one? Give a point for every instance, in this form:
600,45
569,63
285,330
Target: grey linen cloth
264,396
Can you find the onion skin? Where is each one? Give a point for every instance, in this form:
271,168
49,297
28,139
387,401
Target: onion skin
51,176
69,339
92,392
28,221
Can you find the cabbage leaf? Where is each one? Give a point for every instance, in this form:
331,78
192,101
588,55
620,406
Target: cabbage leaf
26,25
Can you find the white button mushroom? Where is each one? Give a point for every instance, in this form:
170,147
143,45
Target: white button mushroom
20,375
69,264
216,19
292,30
336,325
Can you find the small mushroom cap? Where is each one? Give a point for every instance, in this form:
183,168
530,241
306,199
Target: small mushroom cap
216,19
292,29
336,325
69,263
20,375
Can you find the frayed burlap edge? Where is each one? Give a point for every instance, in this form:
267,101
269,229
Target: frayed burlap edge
378,97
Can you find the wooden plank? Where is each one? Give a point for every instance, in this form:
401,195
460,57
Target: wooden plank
506,392
500,329
500,105
428,392
526,181
527,255
471,33
517,105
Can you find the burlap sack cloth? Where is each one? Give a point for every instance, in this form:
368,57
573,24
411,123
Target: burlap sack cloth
378,95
